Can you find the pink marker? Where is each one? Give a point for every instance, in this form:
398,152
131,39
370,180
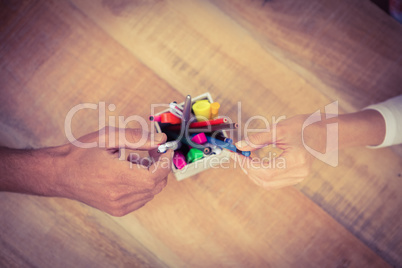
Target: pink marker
199,138
179,160
156,118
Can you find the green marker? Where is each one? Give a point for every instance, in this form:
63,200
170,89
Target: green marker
194,154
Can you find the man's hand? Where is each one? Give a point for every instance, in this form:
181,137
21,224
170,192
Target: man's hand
94,176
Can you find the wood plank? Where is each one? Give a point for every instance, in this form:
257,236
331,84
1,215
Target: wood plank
150,52
351,52
362,194
50,63
50,232
210,53
212,220
139,47
252,59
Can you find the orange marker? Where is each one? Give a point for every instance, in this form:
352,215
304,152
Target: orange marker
170,118
215,109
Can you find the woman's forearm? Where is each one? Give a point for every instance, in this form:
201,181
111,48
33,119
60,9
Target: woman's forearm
364,128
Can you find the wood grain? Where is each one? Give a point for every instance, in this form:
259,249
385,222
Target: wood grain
38,232
367,70
55,55
349,51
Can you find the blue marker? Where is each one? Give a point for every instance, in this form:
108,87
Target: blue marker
228,140
228,146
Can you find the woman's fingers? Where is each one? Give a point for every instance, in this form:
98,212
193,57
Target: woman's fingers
293,168
255,141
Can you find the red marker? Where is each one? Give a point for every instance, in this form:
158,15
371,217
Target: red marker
165,118
209,122
201,124
213,128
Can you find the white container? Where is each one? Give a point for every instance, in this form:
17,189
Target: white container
210,161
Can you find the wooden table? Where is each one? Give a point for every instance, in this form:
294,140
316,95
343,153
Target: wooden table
275,58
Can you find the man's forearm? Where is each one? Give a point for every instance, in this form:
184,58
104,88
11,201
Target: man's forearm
27,171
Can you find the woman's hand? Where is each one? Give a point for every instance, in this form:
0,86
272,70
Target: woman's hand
301,143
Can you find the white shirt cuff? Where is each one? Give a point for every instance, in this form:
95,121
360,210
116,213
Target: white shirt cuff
391,110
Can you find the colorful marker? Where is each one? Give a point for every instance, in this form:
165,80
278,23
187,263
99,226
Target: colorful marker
213,128
228,146
202,124
179,160
156,118
218,135
215,109
215,149
187,141
175,109
202,110
207,150
194,154
165,118
170,118
186,114
199,138
217,121
173,145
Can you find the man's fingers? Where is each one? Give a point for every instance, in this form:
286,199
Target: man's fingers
139,158
131,138
134,201
138,203
160,186
141,139
154,154
255,141
130,207
161,168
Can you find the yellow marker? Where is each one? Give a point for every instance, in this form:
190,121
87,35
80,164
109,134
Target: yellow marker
202,110
215,109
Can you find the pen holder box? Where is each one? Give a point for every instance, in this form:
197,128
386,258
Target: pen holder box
207,162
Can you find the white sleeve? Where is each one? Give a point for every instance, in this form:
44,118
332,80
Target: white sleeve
391,110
